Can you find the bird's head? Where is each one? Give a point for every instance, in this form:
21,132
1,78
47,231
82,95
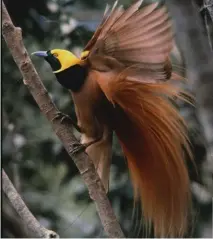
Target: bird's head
68,68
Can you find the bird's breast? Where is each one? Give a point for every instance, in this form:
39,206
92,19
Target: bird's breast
92,108
73,78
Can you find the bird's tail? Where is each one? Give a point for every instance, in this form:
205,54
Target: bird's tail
153,137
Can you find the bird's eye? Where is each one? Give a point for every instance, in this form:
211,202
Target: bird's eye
55,54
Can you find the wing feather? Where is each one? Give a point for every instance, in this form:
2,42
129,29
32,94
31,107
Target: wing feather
136,36
104,23
154,20
126,15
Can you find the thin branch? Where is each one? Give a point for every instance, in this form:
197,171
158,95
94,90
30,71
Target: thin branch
208,4
13,38
208,30
20,207
11,222
207,14
197,54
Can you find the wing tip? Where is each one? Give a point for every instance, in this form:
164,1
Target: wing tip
114,5
106,10
139,3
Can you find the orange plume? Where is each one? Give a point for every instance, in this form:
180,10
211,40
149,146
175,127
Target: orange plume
152,135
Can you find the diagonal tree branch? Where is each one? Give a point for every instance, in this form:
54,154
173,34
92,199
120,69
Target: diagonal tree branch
198,57
13,38
20,207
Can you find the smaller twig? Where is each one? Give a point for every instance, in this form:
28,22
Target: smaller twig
207,10
208,4
208,30
20,207
16,177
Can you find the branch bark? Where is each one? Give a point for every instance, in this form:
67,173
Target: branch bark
20,207
198,58
13,38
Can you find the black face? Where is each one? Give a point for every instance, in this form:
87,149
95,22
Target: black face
53,61
73,77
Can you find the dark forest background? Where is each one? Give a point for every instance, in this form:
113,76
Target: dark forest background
33,156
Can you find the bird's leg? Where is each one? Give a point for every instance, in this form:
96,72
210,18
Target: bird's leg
63,117
78,147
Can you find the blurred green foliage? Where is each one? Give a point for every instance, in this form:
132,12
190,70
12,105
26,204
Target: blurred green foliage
33,156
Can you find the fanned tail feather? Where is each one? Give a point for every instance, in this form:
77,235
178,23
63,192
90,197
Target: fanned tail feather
153,134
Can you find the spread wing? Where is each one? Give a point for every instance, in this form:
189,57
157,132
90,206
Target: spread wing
106,17
140,37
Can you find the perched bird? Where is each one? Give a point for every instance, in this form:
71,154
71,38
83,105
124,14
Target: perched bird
123,84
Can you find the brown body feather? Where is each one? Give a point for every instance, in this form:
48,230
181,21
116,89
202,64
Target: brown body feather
93,121
128,65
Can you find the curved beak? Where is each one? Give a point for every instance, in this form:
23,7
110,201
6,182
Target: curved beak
40,53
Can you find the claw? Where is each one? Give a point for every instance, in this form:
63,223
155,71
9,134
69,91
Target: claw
63,117
78,147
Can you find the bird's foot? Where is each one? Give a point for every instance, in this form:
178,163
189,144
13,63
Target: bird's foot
78,147
64,117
